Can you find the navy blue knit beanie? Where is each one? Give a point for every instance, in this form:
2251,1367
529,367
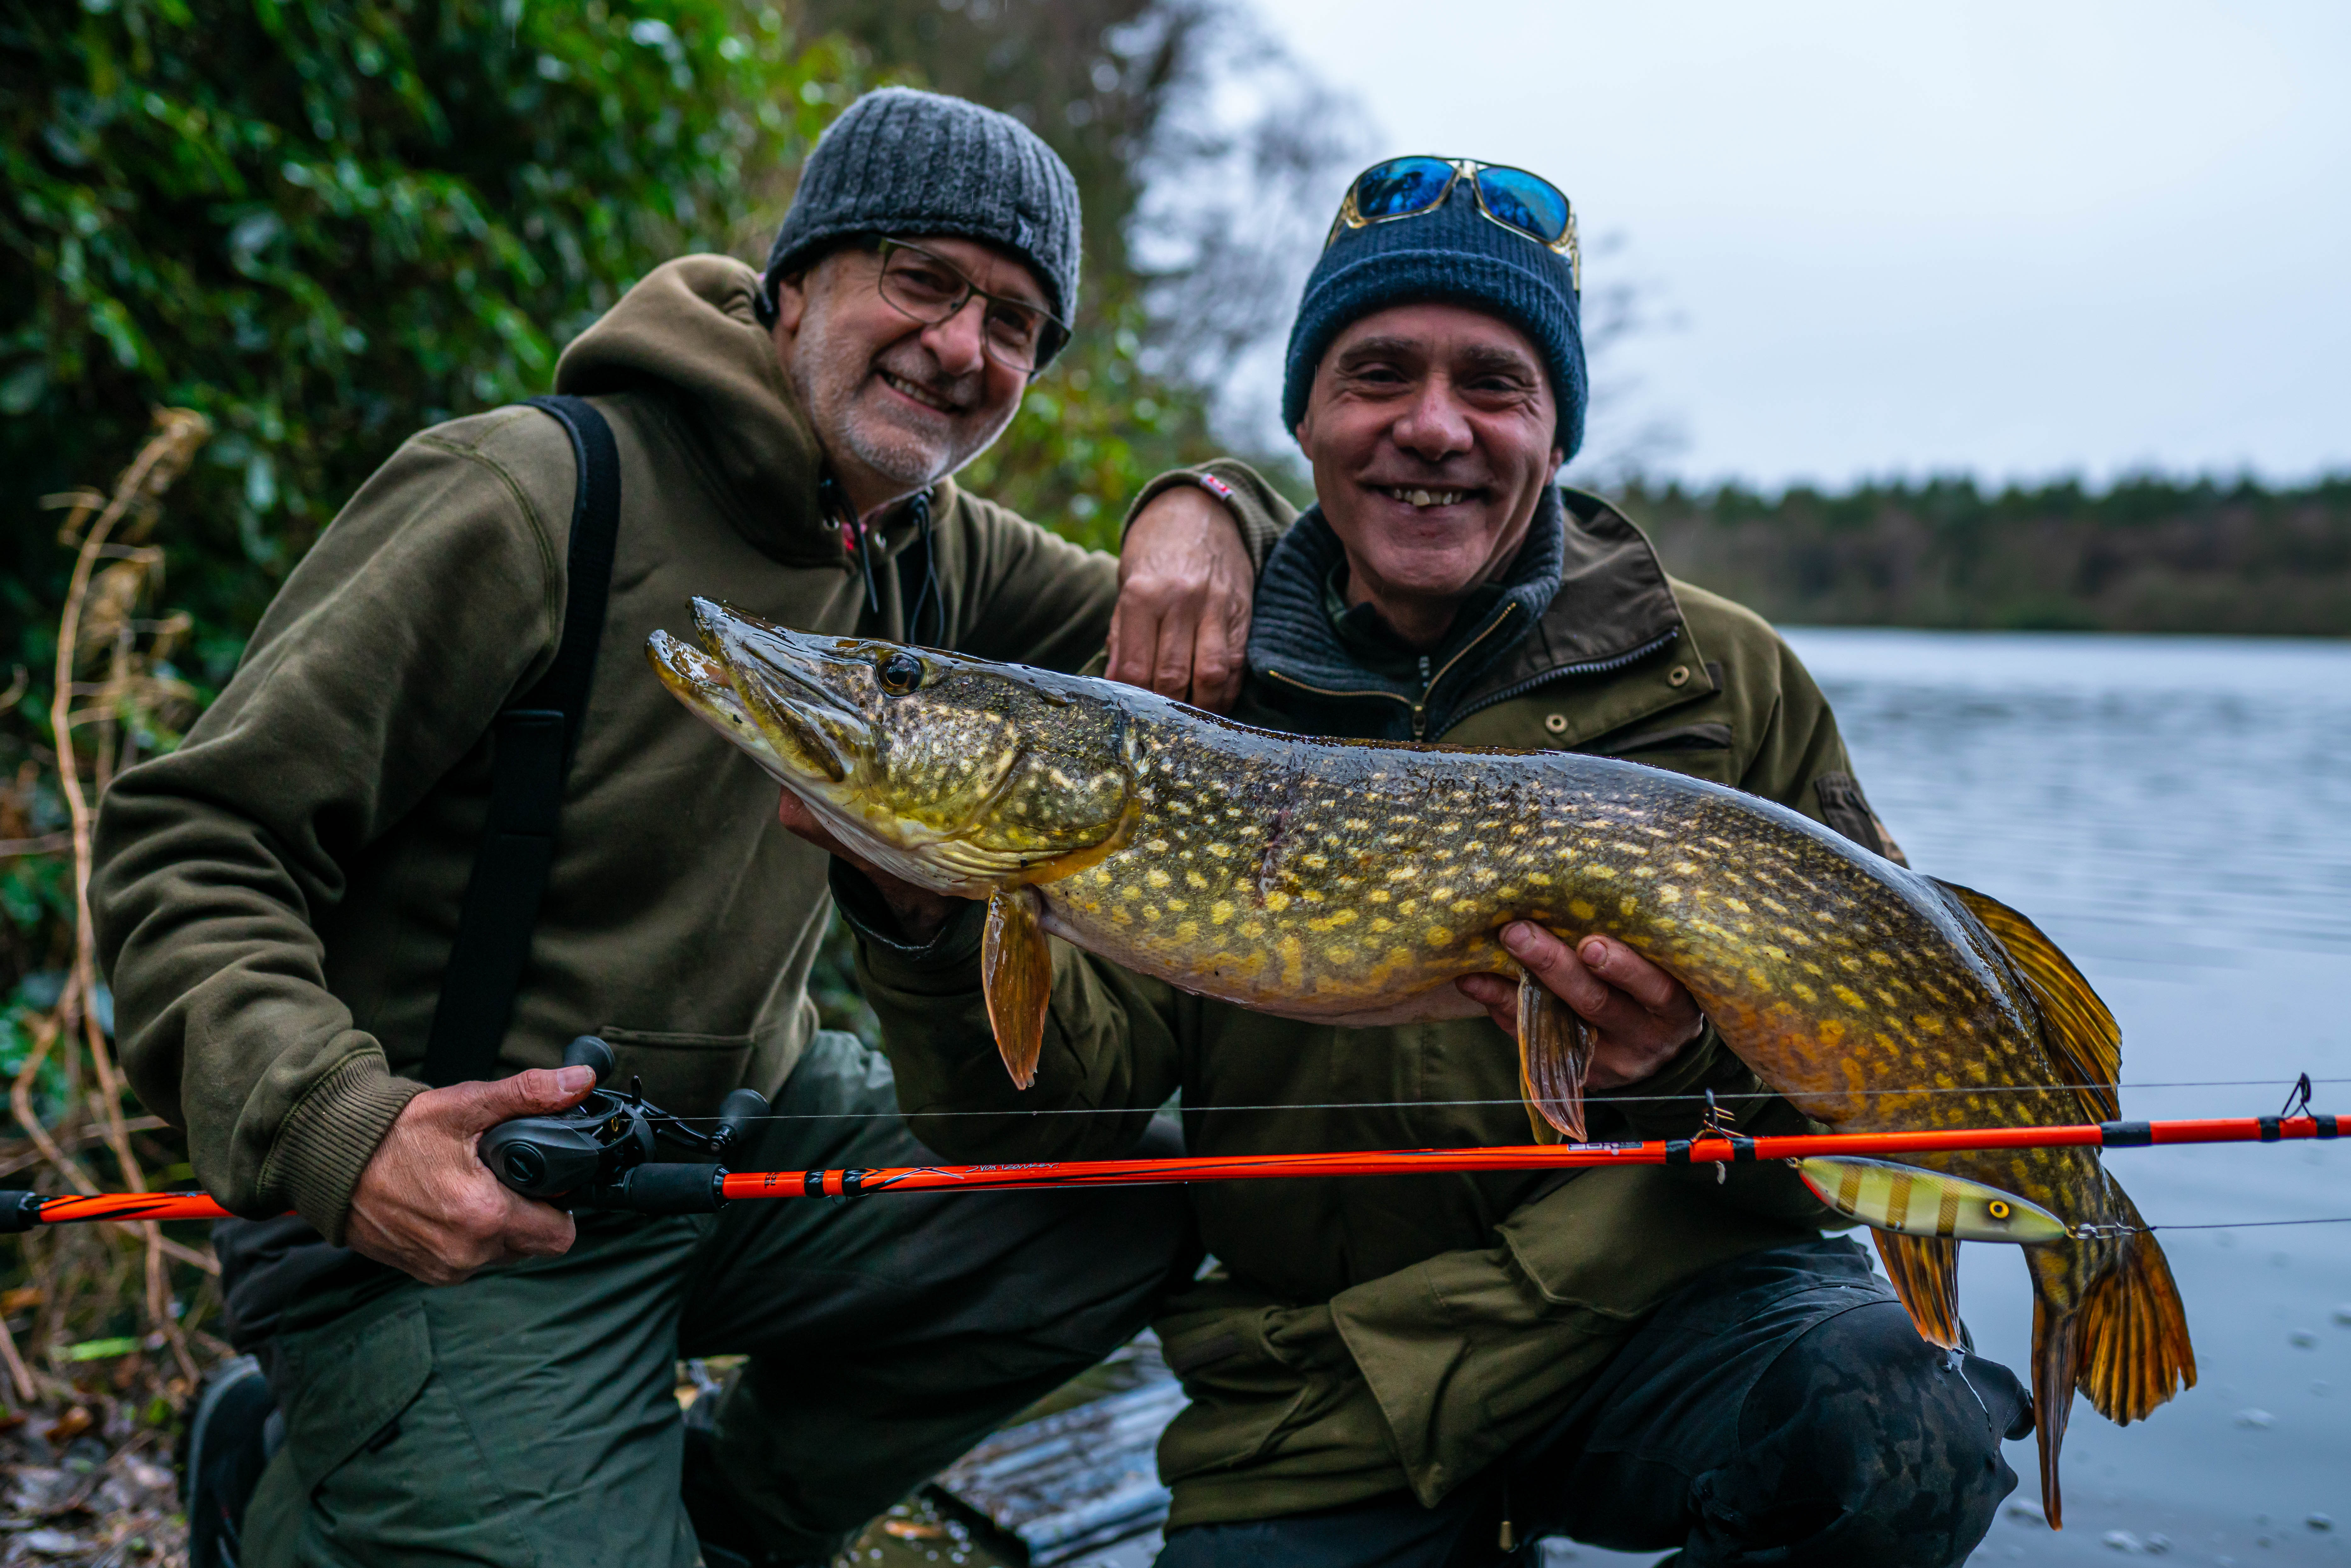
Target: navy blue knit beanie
1456,255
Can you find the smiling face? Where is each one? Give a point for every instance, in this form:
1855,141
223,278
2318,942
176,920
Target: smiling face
1432,433
896,404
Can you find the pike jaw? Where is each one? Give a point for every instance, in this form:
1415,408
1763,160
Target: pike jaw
962,776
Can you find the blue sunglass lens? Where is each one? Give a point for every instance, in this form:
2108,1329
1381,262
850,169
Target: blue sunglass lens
1401,185
1524,201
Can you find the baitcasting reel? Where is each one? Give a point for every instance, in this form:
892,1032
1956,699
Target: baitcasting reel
616,1149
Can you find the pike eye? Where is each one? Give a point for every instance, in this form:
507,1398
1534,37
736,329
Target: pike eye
899,674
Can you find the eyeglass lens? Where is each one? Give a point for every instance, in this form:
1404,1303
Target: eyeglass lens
1524,201
930,292
1401,185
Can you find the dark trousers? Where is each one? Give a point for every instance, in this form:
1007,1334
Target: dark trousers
529,1414
1780,1411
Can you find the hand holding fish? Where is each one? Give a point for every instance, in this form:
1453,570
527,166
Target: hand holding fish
1640,1018
919,911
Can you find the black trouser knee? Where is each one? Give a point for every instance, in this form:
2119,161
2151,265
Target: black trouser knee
1863,1444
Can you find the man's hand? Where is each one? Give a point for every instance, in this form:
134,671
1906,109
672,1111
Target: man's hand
1640,1016
1185,591
920,910
428,1206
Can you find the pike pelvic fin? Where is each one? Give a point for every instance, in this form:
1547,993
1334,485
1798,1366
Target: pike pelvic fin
2135,1349
2085,1046
1016,972
1926,1274
1552,1057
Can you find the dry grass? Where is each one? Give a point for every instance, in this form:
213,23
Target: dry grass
100,1342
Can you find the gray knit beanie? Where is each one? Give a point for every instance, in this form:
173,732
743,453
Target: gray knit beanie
910,163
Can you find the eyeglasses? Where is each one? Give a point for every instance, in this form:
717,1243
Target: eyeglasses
1015,333
1409,187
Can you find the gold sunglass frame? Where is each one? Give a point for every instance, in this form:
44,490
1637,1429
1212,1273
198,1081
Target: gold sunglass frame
1351,217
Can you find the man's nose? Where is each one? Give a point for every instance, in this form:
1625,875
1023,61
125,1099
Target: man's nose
959,343
1434,426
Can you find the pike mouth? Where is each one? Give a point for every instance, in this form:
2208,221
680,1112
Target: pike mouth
700,682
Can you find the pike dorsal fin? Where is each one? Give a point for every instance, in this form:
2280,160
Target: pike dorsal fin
1926,1274
2085,1045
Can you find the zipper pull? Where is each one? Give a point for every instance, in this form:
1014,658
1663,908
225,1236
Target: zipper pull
1420,708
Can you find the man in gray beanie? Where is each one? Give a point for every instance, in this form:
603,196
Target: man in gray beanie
288,901
1433,1371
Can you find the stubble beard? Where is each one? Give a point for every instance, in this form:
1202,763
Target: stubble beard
834,381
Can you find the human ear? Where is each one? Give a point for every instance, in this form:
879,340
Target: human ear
791,303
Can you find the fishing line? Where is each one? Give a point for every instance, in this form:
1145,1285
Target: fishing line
1603,1097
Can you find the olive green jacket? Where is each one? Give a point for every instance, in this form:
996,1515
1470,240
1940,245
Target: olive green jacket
276,899
1362,1337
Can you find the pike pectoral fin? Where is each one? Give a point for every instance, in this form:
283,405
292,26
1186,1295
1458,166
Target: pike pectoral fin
1553,1053
1926,1274
1016,971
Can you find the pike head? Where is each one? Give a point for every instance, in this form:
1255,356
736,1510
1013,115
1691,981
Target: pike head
961,775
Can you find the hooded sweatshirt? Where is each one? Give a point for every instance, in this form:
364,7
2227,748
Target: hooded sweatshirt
276,899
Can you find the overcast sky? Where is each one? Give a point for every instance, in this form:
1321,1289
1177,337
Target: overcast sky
2015,239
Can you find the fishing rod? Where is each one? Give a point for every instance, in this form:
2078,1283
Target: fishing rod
604,1154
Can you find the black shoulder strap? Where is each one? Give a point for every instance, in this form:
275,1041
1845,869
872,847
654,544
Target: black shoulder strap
531,748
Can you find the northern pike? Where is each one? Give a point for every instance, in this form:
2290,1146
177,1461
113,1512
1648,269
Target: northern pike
1351,882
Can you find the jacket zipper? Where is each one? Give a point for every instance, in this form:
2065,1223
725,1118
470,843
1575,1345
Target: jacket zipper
1590,667
1428,681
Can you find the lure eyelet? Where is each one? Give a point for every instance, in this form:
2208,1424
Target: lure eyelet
898,672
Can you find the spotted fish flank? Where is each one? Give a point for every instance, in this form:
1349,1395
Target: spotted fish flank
1352,883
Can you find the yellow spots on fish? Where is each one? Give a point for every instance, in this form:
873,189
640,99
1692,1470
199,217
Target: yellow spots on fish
1356,825
1407,907
1849,964
1738,903
1156,877
1832,1033
1803,992
1157,846
1628,905
1220,911
1760,980
1276,901
1377,895
1849,997
1930,1022
1403,872
1252,927
1884,996
1538,879
1464,906
1313,862
1437,935
1333,921
1382,922
1222,851
1582,909
1882,958
1193,879
1131,891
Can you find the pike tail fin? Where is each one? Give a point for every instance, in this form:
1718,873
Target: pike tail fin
2135,1354
2125,1347
1926,1274
2084,1043
1552,1055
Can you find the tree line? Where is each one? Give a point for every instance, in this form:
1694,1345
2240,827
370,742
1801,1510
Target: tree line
2145,554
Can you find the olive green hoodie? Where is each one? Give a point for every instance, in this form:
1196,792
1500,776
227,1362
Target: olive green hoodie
277,898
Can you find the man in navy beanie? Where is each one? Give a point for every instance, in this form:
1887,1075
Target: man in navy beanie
1438,1370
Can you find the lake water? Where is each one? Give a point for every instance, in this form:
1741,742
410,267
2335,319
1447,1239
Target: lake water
2176,812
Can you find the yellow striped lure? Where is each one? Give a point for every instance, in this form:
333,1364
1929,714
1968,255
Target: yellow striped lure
1887,1196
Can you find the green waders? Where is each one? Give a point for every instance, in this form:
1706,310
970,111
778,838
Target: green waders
528,1416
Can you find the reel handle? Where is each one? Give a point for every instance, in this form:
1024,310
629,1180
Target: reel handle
587,1051
736,1114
